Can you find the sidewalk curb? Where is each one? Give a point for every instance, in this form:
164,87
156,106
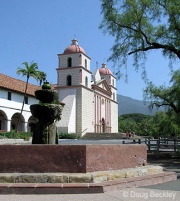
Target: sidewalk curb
91,177
83,188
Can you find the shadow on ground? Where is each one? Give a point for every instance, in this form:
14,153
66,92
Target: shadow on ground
168,161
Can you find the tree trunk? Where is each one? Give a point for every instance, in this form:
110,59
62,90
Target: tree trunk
22,104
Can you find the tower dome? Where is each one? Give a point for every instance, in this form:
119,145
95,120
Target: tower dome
104,70
74,48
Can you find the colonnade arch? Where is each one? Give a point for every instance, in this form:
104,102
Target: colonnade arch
8,121
3,120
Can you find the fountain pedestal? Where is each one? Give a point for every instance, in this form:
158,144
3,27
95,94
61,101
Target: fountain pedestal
46,112
71,158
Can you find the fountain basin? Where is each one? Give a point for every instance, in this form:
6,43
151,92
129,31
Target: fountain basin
46,95
47,112
70,158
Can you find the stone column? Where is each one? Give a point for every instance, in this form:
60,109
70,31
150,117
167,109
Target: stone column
8,125
26,126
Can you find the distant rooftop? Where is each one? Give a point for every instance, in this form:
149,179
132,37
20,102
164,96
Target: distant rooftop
13,84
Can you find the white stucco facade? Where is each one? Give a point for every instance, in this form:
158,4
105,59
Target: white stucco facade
10,111
90,99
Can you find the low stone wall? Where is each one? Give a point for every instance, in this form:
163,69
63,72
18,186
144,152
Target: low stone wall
70,158
91,177
103,136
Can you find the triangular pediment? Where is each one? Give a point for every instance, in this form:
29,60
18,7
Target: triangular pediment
102,86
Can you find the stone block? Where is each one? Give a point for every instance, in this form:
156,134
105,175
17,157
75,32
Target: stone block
71,158
130,173
80,178
59,178
116,175
154,169
99,177
7,178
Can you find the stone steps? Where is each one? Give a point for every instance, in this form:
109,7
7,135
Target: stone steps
103,136
93,177
81,188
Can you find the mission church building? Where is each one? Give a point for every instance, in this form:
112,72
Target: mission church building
90,100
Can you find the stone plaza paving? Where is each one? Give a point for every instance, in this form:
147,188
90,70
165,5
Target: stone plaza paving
130,194
100,187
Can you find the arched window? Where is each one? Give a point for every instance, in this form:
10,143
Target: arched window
102,101
114,96
80,59
59,62
86,81
85,63
69,62
68,80
80,76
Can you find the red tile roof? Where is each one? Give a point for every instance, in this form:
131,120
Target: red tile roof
16,85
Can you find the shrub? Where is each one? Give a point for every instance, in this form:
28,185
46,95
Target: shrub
24,135
68,136
11,134
14,135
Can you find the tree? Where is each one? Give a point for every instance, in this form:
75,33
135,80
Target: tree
168,97
165,96
165,124
131,122
29,71
41,77
137,117
161,124
140,26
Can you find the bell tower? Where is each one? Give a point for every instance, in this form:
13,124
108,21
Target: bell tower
73,85
74,67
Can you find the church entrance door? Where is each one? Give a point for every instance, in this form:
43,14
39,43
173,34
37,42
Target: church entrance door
103,126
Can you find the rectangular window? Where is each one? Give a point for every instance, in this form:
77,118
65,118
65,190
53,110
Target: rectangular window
9,95
26,100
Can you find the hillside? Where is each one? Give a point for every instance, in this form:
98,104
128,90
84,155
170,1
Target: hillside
127,105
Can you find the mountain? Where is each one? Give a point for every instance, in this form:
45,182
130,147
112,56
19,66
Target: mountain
127,105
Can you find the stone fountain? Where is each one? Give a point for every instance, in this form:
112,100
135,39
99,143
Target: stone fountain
47,112
71,166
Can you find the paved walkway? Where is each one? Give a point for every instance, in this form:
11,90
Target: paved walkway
132,194
162,192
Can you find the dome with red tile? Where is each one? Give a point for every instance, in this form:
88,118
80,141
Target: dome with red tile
104,70
74,48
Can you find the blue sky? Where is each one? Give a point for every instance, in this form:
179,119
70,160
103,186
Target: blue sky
38,30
